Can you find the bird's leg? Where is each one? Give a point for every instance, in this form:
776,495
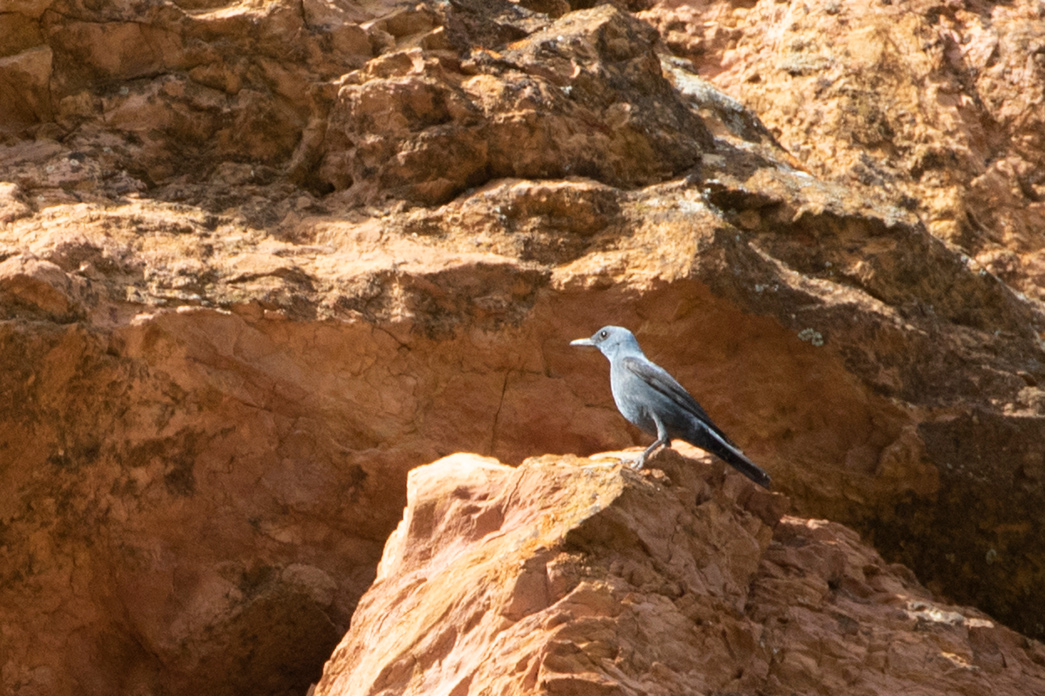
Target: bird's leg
662,441
641,461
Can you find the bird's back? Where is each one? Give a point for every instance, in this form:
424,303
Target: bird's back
642,388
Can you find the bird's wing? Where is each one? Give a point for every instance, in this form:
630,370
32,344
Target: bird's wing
658,378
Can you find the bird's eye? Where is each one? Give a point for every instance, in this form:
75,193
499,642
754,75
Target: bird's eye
603,333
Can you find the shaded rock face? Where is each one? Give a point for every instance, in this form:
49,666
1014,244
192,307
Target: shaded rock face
259,260
569,575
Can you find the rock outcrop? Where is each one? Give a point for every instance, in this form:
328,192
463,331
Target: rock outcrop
259,260
937,104
575,576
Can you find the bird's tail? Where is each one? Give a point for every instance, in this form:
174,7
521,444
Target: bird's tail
705,435
736,459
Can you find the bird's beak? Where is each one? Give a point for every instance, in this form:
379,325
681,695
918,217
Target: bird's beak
582,342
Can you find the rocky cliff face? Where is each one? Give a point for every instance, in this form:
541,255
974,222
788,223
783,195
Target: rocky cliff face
937,104
259,260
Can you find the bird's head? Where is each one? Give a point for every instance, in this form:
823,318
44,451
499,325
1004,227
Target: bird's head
611,340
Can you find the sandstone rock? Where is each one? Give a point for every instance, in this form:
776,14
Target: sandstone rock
935,103
18,33
569,575
38,287
894,103
582,96
25,98
28,8
12,203
240,307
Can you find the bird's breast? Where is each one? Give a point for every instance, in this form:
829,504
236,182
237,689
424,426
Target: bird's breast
630,395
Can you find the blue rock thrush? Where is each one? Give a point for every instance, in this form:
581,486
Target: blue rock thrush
654,401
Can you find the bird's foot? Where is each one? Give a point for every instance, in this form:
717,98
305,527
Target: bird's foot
641,461
632,462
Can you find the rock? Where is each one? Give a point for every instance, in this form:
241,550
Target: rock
12,203
569,575
584,96
917,105
263,259
28,8
934,103
38,287
25,98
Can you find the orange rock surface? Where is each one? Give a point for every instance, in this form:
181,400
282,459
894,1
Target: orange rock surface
575,576
937,104
261,259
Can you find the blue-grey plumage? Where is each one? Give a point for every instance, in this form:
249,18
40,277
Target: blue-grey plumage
654,401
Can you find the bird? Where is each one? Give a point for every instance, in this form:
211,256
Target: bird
650,398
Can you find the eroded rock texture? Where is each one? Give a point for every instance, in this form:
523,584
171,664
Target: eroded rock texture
259,260
573,576
939,104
